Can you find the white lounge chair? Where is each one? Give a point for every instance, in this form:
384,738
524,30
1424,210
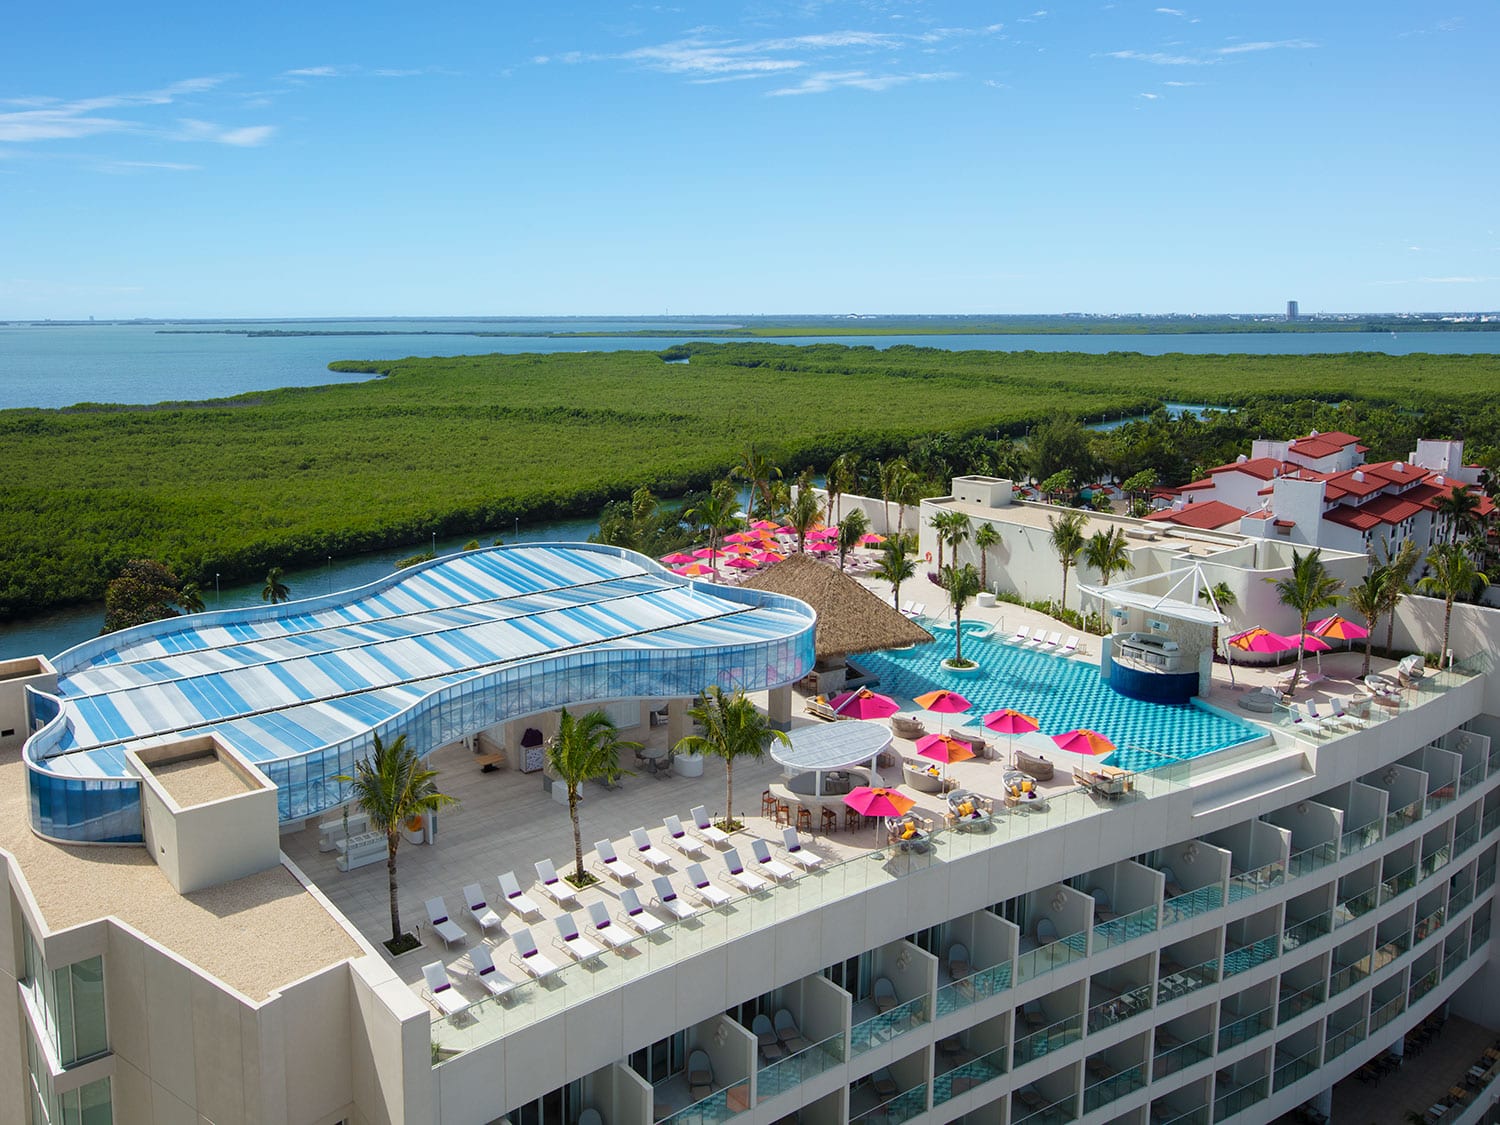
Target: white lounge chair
749,880
605,930
1037,638
681,840
479,909
437,914
487,973
918,609
440,989
612,865
555,888
908,607
536,964
1054,639
772,867
578,947
520,903
1070,646
650,854
667,899
710,894
1306,719
706,829
799,855
637,915
1021,635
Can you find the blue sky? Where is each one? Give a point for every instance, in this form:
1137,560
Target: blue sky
883,156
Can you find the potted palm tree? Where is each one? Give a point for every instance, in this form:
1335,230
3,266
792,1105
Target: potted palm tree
1454,575
584,749
393,786
1067,540
733,727
961,583
1306,590
895,565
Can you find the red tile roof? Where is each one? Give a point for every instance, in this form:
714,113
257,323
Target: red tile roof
1322,445
1205,515
1383,509
1266,468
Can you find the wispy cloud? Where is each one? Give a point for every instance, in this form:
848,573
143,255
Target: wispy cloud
54,119
1161,58
1150,97
1181,83
316,72
1266,45
1171,12
1210,56
825,81
123,167
247,136
1455,280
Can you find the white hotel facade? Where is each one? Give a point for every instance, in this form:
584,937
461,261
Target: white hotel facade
1279,913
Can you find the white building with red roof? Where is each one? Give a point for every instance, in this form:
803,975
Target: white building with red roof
1318,491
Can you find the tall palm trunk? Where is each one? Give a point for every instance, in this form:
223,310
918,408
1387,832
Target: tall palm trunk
577,836
1447,617
392,841
958,636
729,790
1369,644
1390,629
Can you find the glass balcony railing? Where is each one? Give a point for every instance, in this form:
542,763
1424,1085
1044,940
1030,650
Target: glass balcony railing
967,1075
1237,1101
1465,839
1472,776
1294,1004
1164,1114
973,988
1293,1069
1422,986
1058,1113
1402,817
1265,878
1244,1029
1180,982
1054,1037
1191,904
1044,959
1491,819
1453,960
1398,883
1118,1008
1358,839
1247,957
709,1111
1386,1012
1345,975
1427,926
1309,929
1109,1089
1355,906
1484,878
790,1072
1312,859
1169,1060
1441,796
886,1026
1340,1041
903,1107
1388,951
1127,927
1438,859
1479,933
1458,898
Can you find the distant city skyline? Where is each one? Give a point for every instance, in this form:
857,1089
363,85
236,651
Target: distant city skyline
873,156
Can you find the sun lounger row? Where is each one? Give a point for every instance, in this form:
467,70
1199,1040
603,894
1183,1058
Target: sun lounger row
914,609
1324,718
1042,639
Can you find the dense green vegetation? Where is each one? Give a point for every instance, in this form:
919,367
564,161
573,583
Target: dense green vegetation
457,445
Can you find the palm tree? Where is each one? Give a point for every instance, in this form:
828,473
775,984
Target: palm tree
843,475
1366,599
1108,553
952,528
758,470
716,511
896,565
1306,590
1454,575
392,786
275,590
1067,541
962,583
907,493
1395,584
985,537
190,598
584,749
851,531
804,514
732,728
1460,508
1225,598
891,473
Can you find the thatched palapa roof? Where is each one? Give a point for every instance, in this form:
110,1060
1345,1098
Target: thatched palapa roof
850,618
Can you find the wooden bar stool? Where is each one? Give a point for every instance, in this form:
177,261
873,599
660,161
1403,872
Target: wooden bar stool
767,804
830,821
804,819
853,822
783,813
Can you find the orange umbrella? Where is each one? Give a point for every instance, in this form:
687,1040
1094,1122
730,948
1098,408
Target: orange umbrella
697,570
877,801
944,748
1084,741
943,701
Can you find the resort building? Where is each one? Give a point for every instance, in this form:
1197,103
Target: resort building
1234,915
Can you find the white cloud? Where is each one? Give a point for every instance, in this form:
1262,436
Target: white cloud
316,72
126,166
248,136
1150,97
51,119
1177,83
1161,58
824,81
1266,45
1171,12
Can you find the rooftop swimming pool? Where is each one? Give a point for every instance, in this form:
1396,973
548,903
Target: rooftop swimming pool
1061,694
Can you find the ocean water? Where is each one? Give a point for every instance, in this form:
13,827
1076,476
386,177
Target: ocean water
53,365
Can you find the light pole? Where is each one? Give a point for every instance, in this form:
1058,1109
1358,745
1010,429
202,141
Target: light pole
330,574
216,589
434,544
516,538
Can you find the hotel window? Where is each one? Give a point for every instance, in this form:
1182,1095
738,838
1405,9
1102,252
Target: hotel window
69,1003
83,1105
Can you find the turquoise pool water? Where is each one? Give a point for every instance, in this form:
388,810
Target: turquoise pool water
1062,694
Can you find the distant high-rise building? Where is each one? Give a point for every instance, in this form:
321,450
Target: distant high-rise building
1291,310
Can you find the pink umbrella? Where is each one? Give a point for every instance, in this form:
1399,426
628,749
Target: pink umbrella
769,557
1010,723
871,538
878,802
677,559
742,537
944,748
697,570
762,525
1084,741
742,564
706,553
823,547
943,701
824,533
1309,642
1339,628
740,549
1261,640
864,704
786,531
